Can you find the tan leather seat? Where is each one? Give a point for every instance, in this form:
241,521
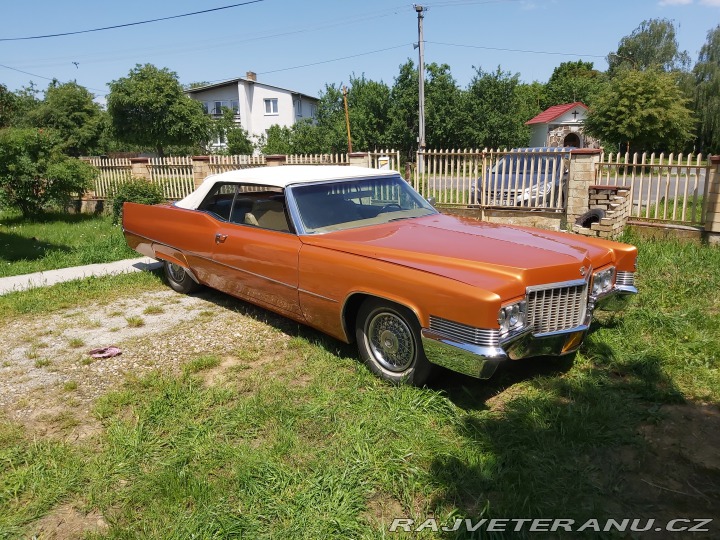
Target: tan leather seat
268,214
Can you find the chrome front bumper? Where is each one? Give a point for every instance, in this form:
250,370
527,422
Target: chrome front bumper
482,361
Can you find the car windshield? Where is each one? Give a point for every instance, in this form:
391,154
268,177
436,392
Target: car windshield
347,204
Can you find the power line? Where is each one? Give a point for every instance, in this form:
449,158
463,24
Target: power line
41,77
132,23
335,59
515,50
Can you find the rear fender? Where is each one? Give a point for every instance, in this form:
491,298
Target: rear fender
174,256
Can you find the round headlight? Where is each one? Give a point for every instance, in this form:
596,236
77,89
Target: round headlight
597,286
502,318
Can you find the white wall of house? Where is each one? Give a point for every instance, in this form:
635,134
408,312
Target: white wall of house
259,106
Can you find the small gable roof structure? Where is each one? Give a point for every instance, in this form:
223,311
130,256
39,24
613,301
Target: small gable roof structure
556,114
561,126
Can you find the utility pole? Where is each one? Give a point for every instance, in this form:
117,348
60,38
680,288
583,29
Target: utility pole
421,86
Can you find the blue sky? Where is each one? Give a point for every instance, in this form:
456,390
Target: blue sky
302,45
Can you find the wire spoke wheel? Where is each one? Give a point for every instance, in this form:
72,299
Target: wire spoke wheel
388,338
391,341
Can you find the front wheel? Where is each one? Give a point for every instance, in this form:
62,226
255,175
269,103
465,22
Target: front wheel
179,279
388,337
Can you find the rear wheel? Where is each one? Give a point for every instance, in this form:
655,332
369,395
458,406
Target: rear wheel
388,337
179,279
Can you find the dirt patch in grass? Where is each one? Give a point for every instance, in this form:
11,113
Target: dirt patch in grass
50,386
675,474
67,522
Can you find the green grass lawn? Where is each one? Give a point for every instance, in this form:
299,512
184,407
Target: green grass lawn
319,448
58,240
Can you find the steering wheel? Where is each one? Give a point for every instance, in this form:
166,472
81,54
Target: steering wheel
389,206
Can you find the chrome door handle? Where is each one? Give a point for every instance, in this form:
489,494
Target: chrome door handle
220,238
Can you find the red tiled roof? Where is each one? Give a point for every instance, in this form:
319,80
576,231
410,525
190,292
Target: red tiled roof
548,115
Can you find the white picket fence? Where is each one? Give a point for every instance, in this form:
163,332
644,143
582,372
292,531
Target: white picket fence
112,173
176,175
670,188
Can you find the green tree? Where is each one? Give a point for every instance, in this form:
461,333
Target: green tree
35,175
7,106
571,82
494,111
17,107
652,45
306,138
369,107
330,120
404,121
707,93
277,141
70,111
444,117
641,111
148,108
236,137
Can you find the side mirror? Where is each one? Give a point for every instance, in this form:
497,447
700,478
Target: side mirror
431,200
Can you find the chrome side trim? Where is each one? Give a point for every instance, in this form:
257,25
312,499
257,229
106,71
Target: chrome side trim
624,278
319,296
463,333
294,287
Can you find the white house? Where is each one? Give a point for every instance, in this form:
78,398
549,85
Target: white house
257,106
561,125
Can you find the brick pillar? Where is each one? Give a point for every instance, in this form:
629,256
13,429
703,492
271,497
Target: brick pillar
359,159
712,215
140,168
580,178
201,169
275,160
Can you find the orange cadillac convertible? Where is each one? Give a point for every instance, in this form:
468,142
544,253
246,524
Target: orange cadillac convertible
361,256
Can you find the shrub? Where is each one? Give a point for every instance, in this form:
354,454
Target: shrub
35,175
137,191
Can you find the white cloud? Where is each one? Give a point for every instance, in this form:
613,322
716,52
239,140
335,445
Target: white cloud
713,3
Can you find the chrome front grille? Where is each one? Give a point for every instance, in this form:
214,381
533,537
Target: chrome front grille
625,278
465,334
556,308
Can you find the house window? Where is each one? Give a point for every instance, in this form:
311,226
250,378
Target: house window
313,111
234,105
217,108
271,106
298,107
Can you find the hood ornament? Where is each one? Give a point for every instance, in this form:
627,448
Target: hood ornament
582,271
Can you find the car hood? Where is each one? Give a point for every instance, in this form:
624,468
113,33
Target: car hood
499,258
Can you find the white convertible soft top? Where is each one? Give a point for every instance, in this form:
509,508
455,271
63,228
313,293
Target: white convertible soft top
282,177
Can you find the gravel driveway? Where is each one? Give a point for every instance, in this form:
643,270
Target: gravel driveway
48,379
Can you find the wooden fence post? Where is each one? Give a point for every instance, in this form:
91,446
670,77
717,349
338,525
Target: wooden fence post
712,214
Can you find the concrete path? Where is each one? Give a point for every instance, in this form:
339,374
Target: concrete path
51,277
